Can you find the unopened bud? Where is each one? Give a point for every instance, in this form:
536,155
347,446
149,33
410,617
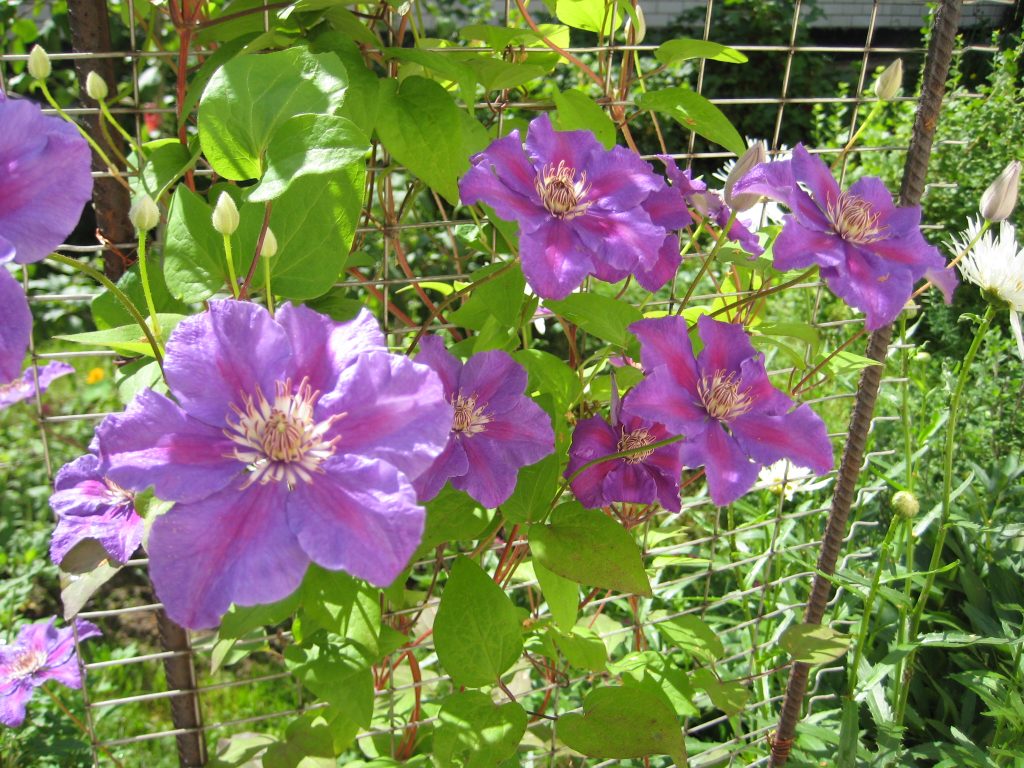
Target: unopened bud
1000,198
269,249
225,215
754,156
890,81
906,504
39,63
96,86
144,215
641,25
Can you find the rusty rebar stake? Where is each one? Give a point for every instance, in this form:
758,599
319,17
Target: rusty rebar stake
940,53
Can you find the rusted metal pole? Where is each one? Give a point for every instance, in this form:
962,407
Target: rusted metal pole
940,53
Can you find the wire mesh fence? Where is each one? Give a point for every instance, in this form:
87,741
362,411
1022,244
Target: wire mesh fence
743,569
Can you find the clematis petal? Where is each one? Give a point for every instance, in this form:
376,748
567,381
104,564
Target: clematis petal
394,409
591,439
878,288
666,341
659,397
798,247
435,356
800,436
664,268
496,379
630,483
619,179
321,346
554,259
216,357
504,178
13,699
726,347
667,209
811,171
234,546
359,516
451,463
622,239
155,443
25,387
577,149
729,472
15,326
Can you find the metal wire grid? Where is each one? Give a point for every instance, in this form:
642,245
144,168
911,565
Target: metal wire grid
796,559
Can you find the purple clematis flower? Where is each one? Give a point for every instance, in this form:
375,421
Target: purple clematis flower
870,252
582,210
41,652
710,204
733,419
497,429
15,326
91,506
25,387
642,478
293,440
46,181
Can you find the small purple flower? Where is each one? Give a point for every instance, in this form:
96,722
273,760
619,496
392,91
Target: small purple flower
870,252
652,475
41,652
710,204
582,210
25,387
733,419
45,184
497,429
91,506
293,440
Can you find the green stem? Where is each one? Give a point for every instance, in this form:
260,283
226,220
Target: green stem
760,294
875,110
95,147
947,490
231,266
144,273
120,129
722,237
118,294
266,284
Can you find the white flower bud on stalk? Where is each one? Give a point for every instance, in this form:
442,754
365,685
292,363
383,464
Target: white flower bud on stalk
96,86
757,154
1000,198
269,249
39,63
890,81
225,215
144,215
906,504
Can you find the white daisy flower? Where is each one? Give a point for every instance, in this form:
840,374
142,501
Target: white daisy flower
784,478
996,266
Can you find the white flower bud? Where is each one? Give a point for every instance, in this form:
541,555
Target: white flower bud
269,249
890,81
96,86
1001,196
755,155
144,215
641,25
225,215
906,504
39,63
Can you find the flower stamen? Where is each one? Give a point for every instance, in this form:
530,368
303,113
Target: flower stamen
27,664
281,441
855,219
638,438
560,192
470,419
722,397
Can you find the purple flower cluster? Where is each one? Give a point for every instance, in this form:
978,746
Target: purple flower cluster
582,210
40,653
870,252
292,439
496,430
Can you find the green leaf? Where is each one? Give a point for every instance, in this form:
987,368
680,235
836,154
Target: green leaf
453,516
444,64
309,145
550,375
577,111
336,672
499,38
693,111
591,15
83,570
194,263
582,648
308,743
497,75
361,97
501,298
730,697
108,312
419,123
240,750
164,159
590,548
844,362
476,631
562,595
535,488
473,732
127,339
603,316
621,723
342,605
814,643
690,634
683,48
241,620
251,96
